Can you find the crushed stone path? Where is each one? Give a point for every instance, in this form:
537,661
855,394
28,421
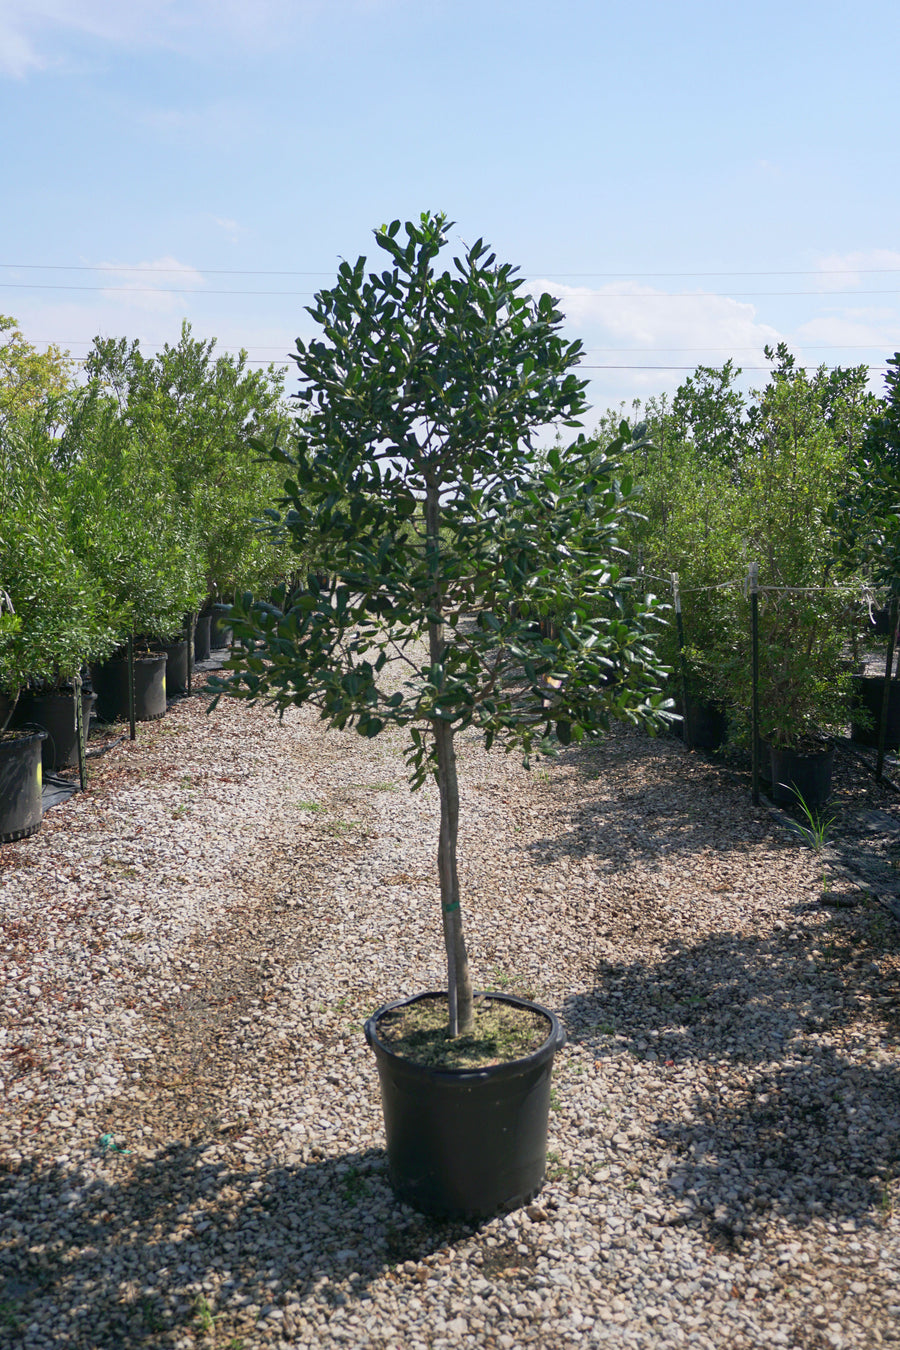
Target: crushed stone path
191,1143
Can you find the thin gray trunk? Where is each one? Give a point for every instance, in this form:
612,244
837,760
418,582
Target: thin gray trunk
10,710
459,981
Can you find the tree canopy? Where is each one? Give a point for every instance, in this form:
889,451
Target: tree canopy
413,479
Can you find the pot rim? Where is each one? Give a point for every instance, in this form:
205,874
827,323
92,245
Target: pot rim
556,1039
31,732
826,747
147,658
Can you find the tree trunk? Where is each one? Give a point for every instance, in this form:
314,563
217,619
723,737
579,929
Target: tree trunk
459,982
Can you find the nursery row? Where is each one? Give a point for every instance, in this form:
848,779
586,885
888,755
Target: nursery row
127,500
49,728
785,501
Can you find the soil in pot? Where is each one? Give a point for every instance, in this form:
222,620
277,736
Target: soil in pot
466,1126
21,783
110,682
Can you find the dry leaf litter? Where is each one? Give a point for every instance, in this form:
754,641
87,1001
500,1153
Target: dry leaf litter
191,1144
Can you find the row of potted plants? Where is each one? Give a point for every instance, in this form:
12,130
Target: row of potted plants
802,481
126,502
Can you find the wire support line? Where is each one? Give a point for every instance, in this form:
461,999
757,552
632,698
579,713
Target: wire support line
742,581
811,590
716,586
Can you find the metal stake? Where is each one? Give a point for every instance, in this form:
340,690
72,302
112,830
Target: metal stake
80,733
131,685
886,696
753,580
679,623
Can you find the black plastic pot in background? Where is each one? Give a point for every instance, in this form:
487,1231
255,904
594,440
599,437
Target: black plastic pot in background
868,693
881,622
219,632
809,775
21,783
110,682
201,637
177,659
55,712
466,1142
707,724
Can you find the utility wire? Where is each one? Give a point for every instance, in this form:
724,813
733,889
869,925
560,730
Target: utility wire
645,351
599,295
255,272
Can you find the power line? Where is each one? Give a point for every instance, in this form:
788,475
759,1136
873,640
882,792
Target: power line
646,351
599,295
261,361
744,369
255,272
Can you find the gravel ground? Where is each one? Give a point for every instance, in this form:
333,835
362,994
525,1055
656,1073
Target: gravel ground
191,1145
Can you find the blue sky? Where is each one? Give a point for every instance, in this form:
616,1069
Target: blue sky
692,180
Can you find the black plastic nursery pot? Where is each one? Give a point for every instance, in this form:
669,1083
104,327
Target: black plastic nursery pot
707,723
110,681
21,783
219,632
177,665
56,714
795,772
201,637
868,693
464,1143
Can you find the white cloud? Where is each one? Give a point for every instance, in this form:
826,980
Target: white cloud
17,53
34,34
160,286
229,227
839,271
640,340
878,328
630,318
155,319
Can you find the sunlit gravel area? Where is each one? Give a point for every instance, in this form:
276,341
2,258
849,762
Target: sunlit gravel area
191,1141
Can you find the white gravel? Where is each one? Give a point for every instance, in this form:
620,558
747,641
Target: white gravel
191,1146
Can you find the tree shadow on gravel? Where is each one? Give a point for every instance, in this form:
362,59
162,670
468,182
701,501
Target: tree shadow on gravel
119,1262
665,810
781,1064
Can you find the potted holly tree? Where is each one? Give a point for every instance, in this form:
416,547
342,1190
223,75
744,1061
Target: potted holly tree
414,484
51,621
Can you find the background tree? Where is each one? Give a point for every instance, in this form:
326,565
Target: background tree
197,414
125,521
28,378
865,516
54,612
413,478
